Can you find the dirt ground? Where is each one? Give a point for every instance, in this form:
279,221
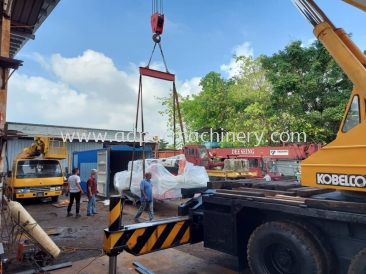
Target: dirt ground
82,238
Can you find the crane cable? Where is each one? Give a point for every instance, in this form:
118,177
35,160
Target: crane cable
157,6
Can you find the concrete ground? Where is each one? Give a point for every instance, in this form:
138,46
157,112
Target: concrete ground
80,242
165,261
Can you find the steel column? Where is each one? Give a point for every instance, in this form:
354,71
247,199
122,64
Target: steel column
113,265
115,212
4,74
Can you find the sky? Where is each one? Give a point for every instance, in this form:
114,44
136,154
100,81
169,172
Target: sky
82,68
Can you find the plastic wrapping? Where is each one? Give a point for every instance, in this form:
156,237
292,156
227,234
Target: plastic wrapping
169,175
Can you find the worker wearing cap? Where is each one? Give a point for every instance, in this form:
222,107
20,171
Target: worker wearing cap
92,192
146,197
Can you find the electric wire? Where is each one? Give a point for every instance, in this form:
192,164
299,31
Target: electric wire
68,250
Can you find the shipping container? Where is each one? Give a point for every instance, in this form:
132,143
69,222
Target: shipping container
108,161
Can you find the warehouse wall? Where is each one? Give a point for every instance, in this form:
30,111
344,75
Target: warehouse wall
15,146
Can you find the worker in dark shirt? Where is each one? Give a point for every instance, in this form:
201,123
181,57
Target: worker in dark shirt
146,197
92,192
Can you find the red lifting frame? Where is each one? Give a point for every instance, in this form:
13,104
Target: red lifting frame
157,74
163,76
146,71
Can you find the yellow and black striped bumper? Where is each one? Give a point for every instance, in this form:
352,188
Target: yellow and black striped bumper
143,238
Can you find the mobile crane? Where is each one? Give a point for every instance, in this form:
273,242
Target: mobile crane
36,171
316,227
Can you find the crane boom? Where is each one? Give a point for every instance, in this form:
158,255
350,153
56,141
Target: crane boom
340,164
45,146
360,4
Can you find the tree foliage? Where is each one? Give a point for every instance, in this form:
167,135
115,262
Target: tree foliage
163,144
298,89
309,86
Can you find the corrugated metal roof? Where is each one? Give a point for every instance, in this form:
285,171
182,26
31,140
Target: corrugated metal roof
14,130
16,146
26,17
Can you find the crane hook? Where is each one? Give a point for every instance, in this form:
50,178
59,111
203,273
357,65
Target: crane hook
156,37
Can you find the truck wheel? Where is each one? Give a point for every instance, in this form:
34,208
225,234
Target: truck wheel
282,248
327,252
358,263
54,199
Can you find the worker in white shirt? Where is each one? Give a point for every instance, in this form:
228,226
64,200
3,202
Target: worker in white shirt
267,177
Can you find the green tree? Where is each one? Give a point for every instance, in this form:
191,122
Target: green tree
211,108
310,88
163,144
167,103
250,98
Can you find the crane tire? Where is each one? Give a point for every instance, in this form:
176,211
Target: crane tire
323,244
358,263
278,247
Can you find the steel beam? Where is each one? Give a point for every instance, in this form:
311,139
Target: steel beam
15,41
50,2
157,74
23,34
43,12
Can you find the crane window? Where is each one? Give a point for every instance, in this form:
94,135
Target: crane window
353,115
202,152
253,163
191,152
38,169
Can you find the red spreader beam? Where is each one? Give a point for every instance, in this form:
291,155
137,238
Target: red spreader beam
157,74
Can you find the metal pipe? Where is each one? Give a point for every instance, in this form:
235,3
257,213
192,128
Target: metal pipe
321,13
315,16
113,265
307,12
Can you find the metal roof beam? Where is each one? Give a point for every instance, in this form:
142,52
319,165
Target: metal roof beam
23,34
50,2
43,12
14,41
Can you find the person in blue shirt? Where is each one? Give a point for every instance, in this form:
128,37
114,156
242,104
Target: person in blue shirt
146,197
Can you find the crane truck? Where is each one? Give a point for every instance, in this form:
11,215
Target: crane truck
36,171
317,227
274,161
237,167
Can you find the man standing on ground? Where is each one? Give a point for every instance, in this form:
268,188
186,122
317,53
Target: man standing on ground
92,192
146,197
75,191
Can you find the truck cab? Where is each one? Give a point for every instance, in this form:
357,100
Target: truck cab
35,178
197,155
36,171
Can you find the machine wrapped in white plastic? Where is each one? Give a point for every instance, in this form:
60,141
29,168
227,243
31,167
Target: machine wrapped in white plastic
169,176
